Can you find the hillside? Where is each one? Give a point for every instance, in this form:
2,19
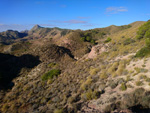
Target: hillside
10,36
53,70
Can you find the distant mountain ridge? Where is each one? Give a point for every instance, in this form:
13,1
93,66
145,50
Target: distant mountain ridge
10,36
54,70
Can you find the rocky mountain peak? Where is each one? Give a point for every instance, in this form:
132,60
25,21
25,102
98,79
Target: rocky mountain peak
36,27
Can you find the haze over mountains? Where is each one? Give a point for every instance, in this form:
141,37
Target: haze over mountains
54,70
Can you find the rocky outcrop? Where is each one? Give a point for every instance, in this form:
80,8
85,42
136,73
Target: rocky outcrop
98,49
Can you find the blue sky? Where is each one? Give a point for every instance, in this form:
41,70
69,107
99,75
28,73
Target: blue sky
71,14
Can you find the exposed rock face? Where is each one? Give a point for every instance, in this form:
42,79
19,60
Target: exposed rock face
36,27
98,49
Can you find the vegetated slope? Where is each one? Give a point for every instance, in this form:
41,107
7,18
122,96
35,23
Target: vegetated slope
113,79
10,36
40,32
37,32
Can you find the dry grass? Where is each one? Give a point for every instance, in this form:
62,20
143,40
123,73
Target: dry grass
139,83
113,68
86,83
93,71
103,75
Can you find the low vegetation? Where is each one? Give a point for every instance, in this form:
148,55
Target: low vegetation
128,41
89,95
145,51
107,40
139,83
94,71
68,82
144,32
52,65
51,74
86,84
58,111
88,39
123,87
125,27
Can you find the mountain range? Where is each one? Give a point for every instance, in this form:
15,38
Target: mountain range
54,70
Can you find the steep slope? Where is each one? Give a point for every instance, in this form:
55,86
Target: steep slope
10,36
53,52
35,28
112,80
40,32
37,32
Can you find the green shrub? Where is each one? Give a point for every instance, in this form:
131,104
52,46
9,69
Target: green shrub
145,51
128,78
123,87
93,41
113,84
147,79
58,111
139,36
128,26
144,31
113,68
87,83
83,39
103,75
88,38
93,71
101,34
107,40
50,74
4,108
147,41
51,65
89,95
128,41
143,77
147,34
140,70
121,68
143,70
86,34
139,83
125,27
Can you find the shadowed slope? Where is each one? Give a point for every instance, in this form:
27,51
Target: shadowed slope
10,66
